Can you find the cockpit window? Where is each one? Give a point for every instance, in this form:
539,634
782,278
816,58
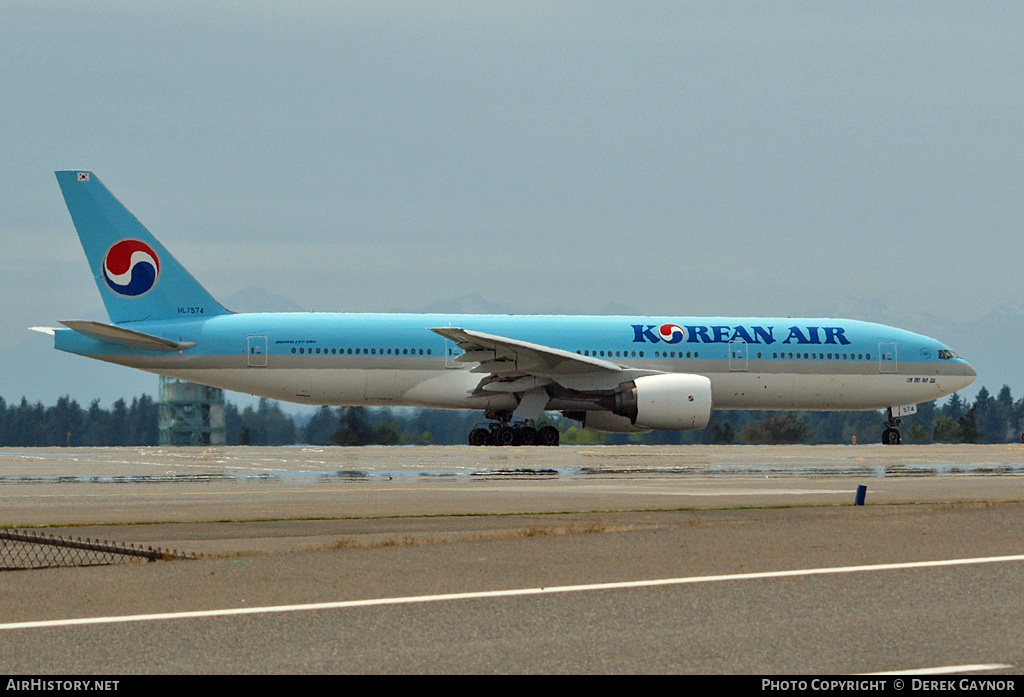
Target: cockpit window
947,355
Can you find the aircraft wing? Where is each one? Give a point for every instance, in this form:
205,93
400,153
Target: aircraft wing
526,363
125,337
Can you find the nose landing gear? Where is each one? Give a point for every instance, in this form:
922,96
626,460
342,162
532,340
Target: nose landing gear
891,434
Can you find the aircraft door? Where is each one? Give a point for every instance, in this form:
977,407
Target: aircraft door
738,355
887,357
257,354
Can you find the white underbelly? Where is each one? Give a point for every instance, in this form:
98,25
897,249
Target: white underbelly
438,389
820,392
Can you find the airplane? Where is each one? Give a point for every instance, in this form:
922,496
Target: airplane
614,374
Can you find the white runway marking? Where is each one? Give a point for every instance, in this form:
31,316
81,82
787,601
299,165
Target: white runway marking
750,492
409,600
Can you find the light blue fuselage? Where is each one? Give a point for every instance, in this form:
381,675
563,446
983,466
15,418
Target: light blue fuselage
320,358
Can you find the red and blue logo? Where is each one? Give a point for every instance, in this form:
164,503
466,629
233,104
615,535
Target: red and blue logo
131,268
671,333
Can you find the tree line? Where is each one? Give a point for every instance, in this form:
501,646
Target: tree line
988,419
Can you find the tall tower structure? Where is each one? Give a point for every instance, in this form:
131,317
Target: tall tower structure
190,414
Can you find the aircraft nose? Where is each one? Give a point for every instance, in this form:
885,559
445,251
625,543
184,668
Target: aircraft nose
969,374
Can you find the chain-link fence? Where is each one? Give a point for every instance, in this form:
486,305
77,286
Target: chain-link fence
21,550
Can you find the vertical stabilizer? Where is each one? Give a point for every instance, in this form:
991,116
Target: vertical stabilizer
137,277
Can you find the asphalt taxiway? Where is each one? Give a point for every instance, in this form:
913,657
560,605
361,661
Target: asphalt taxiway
727,559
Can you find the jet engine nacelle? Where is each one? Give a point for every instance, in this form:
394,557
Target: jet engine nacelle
672,401
609,423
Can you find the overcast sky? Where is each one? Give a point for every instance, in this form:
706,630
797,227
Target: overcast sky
853,159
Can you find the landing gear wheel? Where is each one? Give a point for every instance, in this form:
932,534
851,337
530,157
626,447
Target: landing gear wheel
479,436
506,435
548,435
891,436
526,435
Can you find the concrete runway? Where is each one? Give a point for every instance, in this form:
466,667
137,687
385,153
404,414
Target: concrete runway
294,540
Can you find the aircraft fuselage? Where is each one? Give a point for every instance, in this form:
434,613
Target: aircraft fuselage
395,359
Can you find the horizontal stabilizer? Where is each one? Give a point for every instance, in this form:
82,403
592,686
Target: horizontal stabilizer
110,334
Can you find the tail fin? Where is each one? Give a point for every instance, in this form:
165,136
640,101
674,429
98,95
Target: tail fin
137,277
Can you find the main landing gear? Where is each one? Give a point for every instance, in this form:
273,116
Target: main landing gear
891,434
522,433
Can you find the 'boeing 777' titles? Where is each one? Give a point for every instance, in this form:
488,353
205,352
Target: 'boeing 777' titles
611,373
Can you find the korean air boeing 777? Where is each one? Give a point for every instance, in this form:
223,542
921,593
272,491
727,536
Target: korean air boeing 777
611,373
